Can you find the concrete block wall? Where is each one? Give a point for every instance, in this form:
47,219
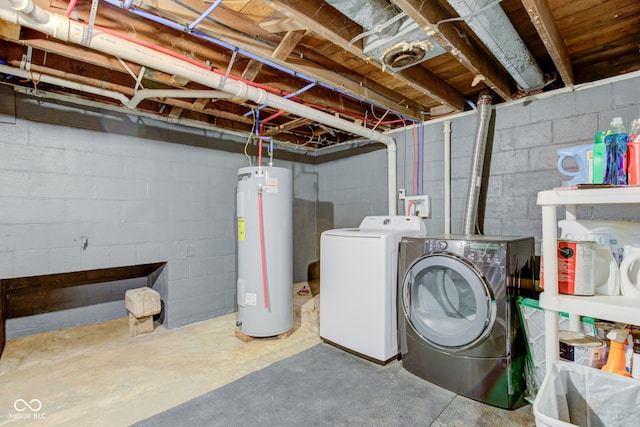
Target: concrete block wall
351,188
133,200
522,144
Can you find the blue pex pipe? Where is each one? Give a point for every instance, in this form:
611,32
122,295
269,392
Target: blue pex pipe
168,23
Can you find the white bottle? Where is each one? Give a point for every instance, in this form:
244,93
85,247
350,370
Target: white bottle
635,360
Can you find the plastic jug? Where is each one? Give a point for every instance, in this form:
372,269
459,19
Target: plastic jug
620,233
582,155
630,271
607,275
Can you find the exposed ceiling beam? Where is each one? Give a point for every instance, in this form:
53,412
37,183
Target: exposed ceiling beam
286,126
427,14
321,18
288,43
284,49
545,24
245,36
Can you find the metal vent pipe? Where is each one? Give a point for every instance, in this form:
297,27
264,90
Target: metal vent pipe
477,163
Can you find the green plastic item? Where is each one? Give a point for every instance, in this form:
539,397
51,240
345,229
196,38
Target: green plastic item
599,157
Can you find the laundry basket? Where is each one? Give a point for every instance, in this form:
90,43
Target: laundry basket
578,395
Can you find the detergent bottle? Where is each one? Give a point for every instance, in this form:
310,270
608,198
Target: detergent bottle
599,157
581,155
616,361
616,144
633,164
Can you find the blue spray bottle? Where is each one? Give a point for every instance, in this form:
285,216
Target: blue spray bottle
616,160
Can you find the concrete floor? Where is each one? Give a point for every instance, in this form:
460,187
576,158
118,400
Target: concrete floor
97,375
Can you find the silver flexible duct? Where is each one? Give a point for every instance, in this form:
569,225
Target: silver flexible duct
477,163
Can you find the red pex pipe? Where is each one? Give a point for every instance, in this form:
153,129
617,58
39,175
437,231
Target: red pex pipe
265,289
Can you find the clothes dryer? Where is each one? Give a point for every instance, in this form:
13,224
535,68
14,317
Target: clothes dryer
457,315
358,273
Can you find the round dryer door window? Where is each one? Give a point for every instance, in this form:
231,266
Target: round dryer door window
447,301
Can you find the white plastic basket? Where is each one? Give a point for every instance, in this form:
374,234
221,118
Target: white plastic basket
577,395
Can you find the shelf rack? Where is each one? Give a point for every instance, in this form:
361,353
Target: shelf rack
614,308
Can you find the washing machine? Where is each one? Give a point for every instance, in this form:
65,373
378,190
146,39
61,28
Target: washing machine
358,273
458,324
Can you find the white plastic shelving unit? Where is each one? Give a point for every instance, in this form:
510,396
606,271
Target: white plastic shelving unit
614,308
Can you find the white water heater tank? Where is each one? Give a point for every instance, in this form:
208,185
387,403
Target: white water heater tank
264,203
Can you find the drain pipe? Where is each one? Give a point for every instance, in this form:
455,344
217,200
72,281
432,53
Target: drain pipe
29,9
477,163
65,29
447,176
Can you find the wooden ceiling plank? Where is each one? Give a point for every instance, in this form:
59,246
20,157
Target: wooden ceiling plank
288,43
427,15
252,70
9,31
199,104
286,127
318,17
281,25
545,24
175,112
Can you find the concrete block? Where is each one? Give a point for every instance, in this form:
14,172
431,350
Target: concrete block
96,256
14,183
62,260
6,264
111,188
32,211
138,326
31,262
122,255
93,164
550,108
142,302
593,100
190,173
91,210
625,93
578,129
61,186
147,252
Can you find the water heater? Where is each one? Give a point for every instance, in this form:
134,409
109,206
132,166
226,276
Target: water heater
265,271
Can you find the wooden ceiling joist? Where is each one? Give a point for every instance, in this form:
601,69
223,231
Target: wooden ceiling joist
546,26
317,17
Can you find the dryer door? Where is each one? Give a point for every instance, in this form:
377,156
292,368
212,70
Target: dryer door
447,301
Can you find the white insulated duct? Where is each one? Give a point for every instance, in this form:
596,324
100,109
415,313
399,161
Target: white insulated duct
65,29
489,22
